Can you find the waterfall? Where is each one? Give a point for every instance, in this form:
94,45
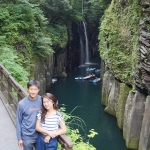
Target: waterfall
86,44
82,50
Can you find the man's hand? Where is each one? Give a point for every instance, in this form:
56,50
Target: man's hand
46,139
20,143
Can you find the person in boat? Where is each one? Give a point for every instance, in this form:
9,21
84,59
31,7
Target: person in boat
50,124
93,74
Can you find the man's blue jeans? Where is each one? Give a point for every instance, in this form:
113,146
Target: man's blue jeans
29,144
41,145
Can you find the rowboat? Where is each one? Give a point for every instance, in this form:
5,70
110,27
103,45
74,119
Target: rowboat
90,69
54,80
97,71
96,80
86,77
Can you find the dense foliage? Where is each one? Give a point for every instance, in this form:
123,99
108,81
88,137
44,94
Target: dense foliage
33,29
23,34
120,25
30,29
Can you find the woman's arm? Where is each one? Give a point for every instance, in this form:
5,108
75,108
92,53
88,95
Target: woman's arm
39,128
61,130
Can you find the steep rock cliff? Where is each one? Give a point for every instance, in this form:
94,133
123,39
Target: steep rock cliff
124,48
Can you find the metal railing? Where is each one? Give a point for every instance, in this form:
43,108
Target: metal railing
13,92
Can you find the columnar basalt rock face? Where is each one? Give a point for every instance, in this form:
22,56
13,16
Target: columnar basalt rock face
135,121
144,143
129,108
46,69
107,84
142,78
127,113
113,98
134,106
124,91
44,73
60,64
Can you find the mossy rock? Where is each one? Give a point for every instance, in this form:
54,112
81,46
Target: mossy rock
110,111
124,91
64,74
133,144
107,84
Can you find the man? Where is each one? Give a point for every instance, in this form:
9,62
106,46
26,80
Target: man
26,116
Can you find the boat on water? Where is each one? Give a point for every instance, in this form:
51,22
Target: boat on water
54,80
90,69
79,78
97,70
86,77
96,80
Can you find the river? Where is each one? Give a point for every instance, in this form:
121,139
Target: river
87,96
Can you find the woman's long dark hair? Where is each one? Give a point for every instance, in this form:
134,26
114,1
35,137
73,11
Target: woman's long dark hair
44,111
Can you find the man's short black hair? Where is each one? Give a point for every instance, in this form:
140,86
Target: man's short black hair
33,82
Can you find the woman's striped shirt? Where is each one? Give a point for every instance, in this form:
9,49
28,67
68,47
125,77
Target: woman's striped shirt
52,122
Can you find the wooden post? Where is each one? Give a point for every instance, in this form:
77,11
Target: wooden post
10,101
19,95
65,142
0,78
2,82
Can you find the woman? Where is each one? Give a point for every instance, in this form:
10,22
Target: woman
49,124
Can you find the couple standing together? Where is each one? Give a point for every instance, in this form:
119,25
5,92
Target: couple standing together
38,121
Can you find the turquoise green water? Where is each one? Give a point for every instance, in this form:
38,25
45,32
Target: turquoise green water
87,95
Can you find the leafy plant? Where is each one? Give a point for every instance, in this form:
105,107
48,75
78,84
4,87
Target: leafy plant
74,134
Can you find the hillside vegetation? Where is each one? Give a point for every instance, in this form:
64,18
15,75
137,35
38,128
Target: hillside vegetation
119,38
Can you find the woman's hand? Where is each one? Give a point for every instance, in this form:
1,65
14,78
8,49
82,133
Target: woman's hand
46,139
61,130
54,134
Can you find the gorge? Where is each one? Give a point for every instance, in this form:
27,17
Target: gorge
44,40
